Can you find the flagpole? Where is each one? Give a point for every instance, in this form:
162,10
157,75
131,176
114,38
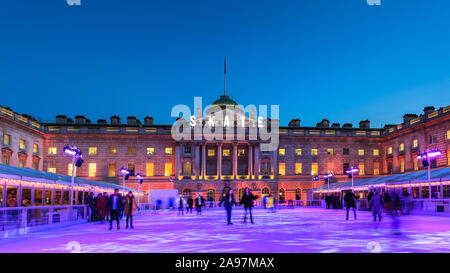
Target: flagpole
224,74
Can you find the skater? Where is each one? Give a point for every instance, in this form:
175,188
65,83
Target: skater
210,200
247,201
350,203
97,203
115,204
376,203
190,204
91,204
181,204
130,206
228,200
265,201
104,203
199,204
369,198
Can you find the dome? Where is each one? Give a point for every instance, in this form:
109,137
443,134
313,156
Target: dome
224,100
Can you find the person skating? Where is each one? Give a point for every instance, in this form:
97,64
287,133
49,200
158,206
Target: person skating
376,203
130,206
369,198
247,200
190,204
199,204
181,204
228,201
350,203
91,204
115,204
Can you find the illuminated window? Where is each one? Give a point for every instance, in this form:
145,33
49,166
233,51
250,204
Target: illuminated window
282,168
69,170
416,164
211,152
226,152
401,148
150,150
187,168
51,169
330,166
314,168
361,168
402,165
389,151
448,134
112,169
92,169
21,163
376,168
415,143
35,148
35,165
360,151
298,168
92,150
241,152
52,150
149,169
22,144
131,168
376,152
448,157
168,151
131,150
282,151
6,139
298,151
314,152
330,151
168,169
112,150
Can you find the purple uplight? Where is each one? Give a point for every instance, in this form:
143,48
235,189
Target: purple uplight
71,150
353,170
124,171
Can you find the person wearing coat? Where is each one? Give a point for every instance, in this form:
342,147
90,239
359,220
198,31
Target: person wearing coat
115,205
190,204
129,208
199,204
247,200
369,198
350,203
228,201
376,203
181,203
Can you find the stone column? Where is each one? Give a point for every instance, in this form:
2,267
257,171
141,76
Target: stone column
203,161
197,161
177,161
234,160
257,162
219,161
275,163
250,162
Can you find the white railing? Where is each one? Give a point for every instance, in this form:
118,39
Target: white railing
16,218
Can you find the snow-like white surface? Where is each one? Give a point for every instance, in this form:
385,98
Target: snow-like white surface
286,230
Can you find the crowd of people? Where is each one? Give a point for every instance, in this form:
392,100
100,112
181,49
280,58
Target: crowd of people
112,208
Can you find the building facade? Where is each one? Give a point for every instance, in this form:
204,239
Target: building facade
208,166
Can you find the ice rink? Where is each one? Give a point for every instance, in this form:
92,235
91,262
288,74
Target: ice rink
286,230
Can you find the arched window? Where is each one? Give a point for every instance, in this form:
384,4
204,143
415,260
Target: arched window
298,194
265,191
187,192
282,195
211,193
187,168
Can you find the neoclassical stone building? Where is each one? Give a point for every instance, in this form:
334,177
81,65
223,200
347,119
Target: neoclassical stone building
207,165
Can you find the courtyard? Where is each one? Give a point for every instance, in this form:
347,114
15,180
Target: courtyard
286,230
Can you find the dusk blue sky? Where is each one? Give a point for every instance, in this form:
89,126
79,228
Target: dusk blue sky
337,59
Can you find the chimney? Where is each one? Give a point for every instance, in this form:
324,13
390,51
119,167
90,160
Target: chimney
61,119
80,120
408,117
335,125
428,109
102,121
347,126
294,123
323,123
364,124
148,120
69,121
132,121
115,120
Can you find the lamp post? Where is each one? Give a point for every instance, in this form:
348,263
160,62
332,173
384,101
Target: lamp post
315,178
426,160
73,151
126,173
140,180
351,172
327,177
